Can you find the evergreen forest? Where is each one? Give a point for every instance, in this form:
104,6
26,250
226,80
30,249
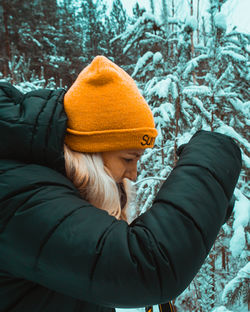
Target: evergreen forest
194,74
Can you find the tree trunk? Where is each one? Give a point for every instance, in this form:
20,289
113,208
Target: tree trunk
192,37
198,21
212,263
223,258
198,295
172,44
173,14
204,32
162,153
165,20
227,261
6,35
152,6
177,116
212,121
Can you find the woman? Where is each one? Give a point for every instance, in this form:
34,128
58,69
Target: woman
65,165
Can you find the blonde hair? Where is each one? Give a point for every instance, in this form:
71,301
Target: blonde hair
96,183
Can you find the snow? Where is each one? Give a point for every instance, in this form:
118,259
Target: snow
235,56
157,58
150,85
221,309
237,242
192,64
137,31
220,21
174,90
37,43
197,90
241,220
226,229
161,88
224,129
191,22
165,110
173,20
243,108
237,282
27,35
185,138
146,17
150,17
142,61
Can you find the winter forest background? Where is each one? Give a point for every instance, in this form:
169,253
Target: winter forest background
193,72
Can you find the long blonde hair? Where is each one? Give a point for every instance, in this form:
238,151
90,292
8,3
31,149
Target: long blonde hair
97,185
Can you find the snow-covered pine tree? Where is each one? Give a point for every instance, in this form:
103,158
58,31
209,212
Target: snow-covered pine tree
226,105
137,11
118,17
152,6
226,61
37,34
116,23
236,293
5,50
93,13
70,52
181,106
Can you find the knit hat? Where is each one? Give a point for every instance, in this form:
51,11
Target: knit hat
106,111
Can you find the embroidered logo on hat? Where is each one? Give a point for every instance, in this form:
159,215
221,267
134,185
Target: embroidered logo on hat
147,140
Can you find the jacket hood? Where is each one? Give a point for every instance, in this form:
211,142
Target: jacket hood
32,126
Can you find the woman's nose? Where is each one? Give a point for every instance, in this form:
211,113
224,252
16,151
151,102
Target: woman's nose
132,176
131,173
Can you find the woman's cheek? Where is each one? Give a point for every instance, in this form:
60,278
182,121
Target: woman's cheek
120,173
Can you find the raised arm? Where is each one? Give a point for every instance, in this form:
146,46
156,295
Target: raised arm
74,248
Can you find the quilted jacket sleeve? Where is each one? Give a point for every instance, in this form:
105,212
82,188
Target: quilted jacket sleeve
60,241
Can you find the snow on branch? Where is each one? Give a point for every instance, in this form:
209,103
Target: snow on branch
142,62
146,17
221,309
139,26
225,75
234,56
197,90
161,89
173,20
201,107
149,178
237,285
157,58
191,65
220,21
191,22
243,108
241,220
224,129
165,110
155,37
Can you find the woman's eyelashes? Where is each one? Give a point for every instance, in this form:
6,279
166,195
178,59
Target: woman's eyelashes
131,159
128,160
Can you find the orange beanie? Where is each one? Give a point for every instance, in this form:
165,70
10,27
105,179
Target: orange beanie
106,111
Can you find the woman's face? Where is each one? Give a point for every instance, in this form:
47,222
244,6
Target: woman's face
122,164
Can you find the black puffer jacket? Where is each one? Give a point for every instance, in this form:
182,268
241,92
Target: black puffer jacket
59,253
